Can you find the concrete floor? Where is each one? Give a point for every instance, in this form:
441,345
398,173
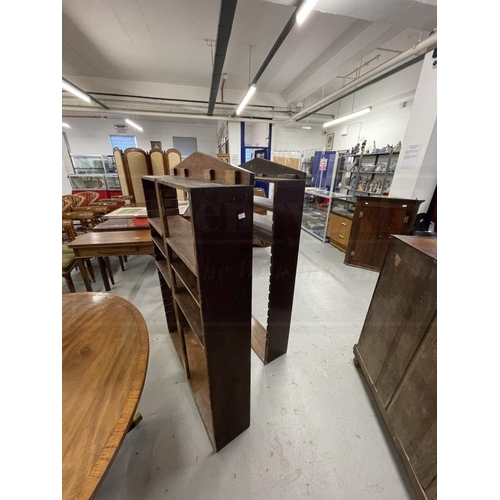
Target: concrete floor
314,433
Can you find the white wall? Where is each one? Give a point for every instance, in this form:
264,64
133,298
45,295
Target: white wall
418,178
91,135
257,134
293,138
234,140
387,122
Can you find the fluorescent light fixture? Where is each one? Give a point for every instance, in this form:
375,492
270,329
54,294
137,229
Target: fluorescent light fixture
132,124
348,117
305,10
65,125
74,91
306,127
248,96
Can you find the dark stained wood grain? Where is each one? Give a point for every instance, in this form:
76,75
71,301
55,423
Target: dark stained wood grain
402,307
199,380
188,279
208,259
413,409
397,353
105,352
182,242
287,216
375,219
223,231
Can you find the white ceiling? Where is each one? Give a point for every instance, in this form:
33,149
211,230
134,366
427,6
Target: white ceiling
167,42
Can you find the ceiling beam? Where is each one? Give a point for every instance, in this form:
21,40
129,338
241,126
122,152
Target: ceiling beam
226,17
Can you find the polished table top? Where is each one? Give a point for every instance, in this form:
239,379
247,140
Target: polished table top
105,351
114,238
122,224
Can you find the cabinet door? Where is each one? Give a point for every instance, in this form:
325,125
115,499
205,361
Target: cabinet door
366,236
391,222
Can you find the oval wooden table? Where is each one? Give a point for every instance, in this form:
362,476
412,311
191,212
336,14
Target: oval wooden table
105,351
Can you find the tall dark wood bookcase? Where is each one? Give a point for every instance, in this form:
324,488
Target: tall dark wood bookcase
281,229
204,261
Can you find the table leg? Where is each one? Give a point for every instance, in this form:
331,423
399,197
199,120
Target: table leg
120,258
83,272
110,270
104,274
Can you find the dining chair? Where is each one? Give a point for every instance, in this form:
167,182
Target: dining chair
69,263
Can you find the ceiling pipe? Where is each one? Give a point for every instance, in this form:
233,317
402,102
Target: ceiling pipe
277,44
425,45
84,109
226,17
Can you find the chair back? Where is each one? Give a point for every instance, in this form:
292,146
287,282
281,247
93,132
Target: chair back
120,168
173,159
159,165
71,201
89,197
136,165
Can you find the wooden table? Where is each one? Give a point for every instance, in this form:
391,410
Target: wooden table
123,224
109,243
105,351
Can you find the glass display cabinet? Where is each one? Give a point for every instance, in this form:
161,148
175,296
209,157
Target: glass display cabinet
93,164
87,182
318,195
112,182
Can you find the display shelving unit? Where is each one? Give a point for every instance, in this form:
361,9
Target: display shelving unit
357,173
204,262
281,229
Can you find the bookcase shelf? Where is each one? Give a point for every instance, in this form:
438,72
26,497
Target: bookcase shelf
205,271
281,229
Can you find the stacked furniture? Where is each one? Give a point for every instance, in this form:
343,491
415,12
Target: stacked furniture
375,219
397,353
204,263
280,230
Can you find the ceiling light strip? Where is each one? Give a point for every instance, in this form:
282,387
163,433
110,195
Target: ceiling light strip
132,124
277,44
305,10
71,87
361,112
250,92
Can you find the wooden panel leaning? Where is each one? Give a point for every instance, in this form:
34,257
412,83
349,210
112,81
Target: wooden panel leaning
397,353
281,229
205,269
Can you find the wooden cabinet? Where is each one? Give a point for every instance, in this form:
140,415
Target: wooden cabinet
204,263
339,229
397,353
374,220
